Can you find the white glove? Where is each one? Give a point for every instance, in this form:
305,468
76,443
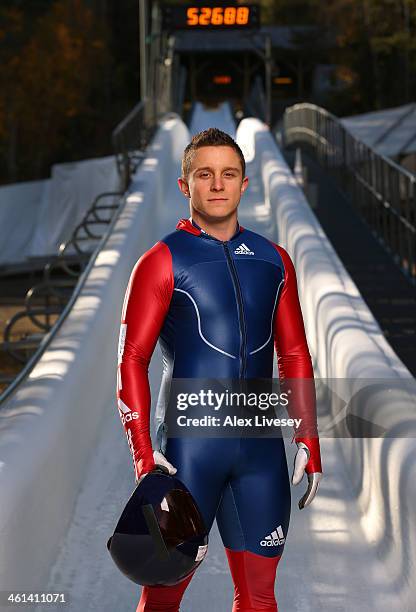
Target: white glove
301,459
160,459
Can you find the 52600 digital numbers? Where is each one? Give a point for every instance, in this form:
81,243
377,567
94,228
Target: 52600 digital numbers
217,15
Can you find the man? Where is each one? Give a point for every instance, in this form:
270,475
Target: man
218,297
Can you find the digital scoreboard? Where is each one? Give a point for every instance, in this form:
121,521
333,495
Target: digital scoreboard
212,16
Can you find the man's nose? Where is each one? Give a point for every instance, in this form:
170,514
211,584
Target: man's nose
217,183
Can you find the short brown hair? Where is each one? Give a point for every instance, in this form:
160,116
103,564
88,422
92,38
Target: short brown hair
212,137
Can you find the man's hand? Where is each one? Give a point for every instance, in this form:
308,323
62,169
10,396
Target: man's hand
160,459
301,459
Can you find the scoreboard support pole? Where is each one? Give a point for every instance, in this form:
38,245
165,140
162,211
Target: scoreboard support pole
267,58
268,71
142,59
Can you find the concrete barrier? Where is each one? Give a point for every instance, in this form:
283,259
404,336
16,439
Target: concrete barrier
347,343
49,427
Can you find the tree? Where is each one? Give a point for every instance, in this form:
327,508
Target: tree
50,84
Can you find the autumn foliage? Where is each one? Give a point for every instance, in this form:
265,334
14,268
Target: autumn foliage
69,68
52,78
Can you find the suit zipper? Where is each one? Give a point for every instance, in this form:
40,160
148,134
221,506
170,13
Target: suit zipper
240,305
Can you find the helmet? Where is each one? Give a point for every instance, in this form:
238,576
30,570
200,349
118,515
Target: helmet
160,538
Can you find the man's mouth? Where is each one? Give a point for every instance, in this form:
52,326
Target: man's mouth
217,199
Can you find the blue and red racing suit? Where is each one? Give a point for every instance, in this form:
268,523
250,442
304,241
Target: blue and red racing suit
218,308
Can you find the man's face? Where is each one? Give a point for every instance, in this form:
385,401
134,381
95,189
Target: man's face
215,183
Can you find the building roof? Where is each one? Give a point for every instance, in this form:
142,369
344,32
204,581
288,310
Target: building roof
202,41
391,131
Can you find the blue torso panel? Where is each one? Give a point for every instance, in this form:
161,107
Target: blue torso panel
221,313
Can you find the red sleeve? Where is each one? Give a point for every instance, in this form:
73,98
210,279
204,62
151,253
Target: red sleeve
294,362
145,306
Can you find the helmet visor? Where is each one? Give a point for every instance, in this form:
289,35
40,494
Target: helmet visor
179,518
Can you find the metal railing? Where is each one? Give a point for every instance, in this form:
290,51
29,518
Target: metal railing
132,135
256,102
47,303
130,138
383,192
166,86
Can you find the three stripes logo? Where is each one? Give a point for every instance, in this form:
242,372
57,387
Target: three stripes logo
126,414
121,341
276,538
243,250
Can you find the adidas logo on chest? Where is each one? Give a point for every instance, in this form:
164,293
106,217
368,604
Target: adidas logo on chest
243,250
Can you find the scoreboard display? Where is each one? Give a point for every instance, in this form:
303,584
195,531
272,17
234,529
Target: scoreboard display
211,16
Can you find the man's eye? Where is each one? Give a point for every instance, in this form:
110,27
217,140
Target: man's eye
204,174
229,174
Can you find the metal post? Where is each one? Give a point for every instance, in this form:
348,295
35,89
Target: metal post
193,77
246,76
142,36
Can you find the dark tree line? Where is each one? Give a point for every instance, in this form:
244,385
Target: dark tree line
69,69
374,50
68,74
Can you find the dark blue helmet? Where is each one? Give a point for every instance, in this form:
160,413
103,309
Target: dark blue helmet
160,538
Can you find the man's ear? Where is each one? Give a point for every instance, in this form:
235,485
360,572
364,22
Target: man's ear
244,184
184,187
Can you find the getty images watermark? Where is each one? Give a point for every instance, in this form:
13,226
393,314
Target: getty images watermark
224,400
336,407
235,408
